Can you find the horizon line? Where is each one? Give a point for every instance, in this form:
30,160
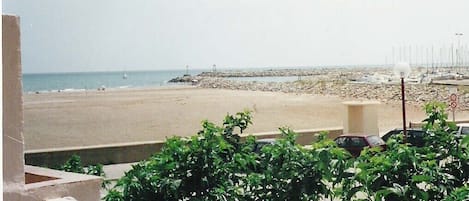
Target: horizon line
218,68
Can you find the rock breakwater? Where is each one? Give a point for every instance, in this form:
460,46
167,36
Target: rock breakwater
186,78
416,94
263,73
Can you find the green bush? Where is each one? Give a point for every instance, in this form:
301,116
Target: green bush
216,165
73,164
411,173
459,194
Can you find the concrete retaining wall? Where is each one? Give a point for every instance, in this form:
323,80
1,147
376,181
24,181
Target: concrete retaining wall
105,154
133,152
420,124
61,185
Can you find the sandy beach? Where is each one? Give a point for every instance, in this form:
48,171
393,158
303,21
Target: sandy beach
55,120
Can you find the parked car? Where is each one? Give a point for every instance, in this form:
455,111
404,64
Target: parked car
463,129
263,142
414,136
355,143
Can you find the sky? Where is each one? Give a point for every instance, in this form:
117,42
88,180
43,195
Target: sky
124,35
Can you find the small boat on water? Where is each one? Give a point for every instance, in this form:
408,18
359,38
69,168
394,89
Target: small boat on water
124,76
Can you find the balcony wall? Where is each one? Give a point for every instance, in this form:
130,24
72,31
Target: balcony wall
20,182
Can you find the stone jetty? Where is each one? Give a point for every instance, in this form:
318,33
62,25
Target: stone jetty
185,78
359,83
262,73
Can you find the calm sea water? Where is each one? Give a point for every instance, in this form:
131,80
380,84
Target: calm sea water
53,82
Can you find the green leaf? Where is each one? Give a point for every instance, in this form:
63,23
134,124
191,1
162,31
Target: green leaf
421,178
465,142
385,192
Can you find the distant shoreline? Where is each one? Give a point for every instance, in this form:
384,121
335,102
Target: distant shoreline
169,86
358,83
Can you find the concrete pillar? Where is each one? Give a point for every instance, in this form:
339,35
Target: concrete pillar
13,160
361,117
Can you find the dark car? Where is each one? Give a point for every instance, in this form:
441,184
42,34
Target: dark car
355,143
414,136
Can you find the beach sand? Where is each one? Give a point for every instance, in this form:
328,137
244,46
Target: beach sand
55,120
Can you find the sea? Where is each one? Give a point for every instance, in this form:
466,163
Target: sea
82,81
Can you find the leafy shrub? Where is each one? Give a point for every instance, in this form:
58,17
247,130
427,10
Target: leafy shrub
216,165
73,164
410,173
200,167
287,171
459,194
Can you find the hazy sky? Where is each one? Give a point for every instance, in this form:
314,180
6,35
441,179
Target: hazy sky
103,35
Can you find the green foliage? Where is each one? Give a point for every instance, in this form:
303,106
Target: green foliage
206,166
290,172
96,170
449,152
401,173
410,173
73,164
459,194
437,117
216,165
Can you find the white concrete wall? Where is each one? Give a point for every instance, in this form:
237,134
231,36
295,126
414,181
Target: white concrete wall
370,118
80,187
361,117
13,161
